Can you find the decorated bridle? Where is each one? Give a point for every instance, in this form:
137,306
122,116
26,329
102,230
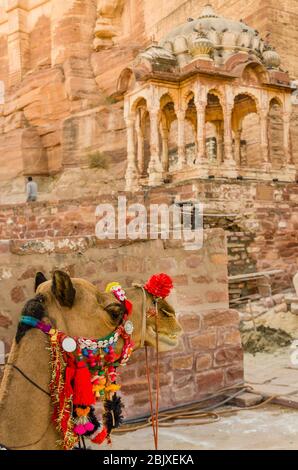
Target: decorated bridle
84,371
160,286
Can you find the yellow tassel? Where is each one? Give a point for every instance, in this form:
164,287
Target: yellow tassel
97,388
112,388
111,285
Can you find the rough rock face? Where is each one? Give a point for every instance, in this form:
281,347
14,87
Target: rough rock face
61,61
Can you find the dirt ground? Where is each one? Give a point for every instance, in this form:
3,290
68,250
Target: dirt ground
265,339
271,427
277,316
282,320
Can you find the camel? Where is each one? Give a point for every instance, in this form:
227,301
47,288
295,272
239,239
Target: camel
77,308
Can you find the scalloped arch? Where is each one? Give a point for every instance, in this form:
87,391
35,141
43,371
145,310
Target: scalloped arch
189,95
258,67
251,95
126,80
171,100
216,92
136,102
278,99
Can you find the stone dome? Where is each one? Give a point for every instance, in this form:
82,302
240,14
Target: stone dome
225,36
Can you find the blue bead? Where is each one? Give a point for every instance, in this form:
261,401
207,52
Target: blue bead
106,350
85,352
31,321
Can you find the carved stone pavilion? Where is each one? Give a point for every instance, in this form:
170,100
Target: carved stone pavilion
206,101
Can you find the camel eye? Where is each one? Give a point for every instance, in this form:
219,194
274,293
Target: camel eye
167,313
115,310
40,298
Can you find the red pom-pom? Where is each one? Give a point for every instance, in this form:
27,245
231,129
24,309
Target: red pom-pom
110,356
159,285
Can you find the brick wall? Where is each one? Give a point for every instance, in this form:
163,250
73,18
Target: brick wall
239,251
208,359
266,218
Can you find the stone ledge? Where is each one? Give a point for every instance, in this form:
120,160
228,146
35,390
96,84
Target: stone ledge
247,399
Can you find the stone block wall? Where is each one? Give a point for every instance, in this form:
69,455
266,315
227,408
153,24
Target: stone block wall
208,359
239,247
264,219
209,356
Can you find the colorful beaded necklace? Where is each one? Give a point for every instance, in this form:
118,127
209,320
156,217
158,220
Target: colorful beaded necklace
84,371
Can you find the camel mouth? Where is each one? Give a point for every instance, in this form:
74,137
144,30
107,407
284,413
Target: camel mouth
170,340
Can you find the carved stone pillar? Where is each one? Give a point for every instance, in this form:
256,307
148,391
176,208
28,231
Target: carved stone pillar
237,147
264,138
201,131
181,138
131,171
17,41
220,141
165,148
228,139
155,166
140,144
286,140
191,159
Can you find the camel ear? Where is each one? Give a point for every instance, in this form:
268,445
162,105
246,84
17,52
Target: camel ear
63,289
39,279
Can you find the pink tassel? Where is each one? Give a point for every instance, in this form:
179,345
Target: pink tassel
89,427
79,429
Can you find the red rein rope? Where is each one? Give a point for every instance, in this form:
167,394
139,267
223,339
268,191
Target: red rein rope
154,416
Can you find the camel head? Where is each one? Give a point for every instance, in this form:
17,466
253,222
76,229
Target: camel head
78,308
169,330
